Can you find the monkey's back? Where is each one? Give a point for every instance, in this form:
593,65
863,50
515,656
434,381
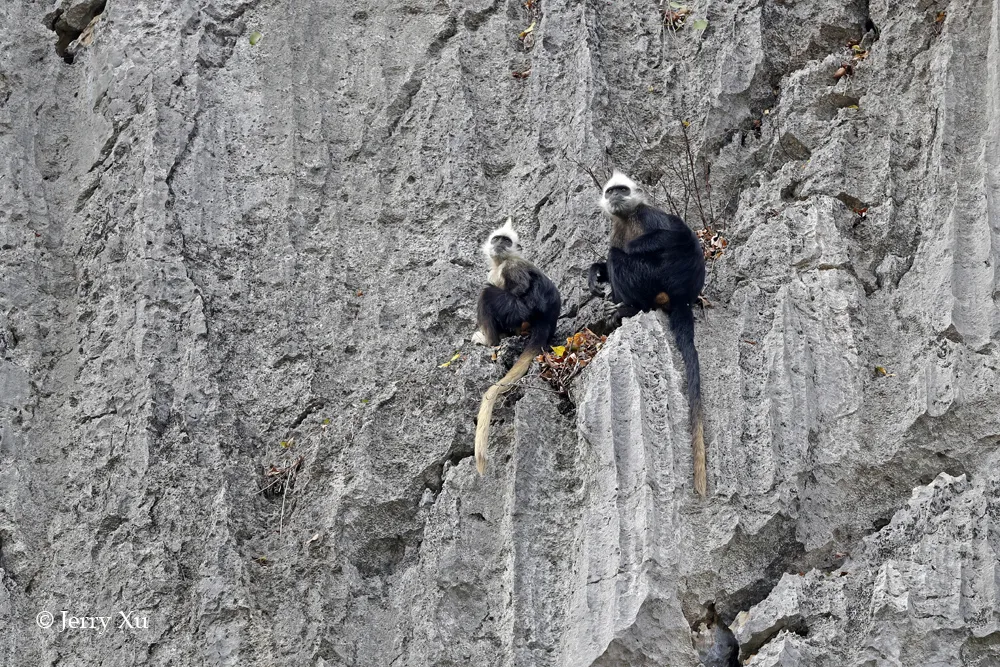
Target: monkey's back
533,289
544,295
666,257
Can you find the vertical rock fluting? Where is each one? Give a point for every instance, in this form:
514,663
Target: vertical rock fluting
217,257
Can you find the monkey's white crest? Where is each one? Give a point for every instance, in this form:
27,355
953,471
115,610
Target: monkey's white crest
620,194
619,179
506,231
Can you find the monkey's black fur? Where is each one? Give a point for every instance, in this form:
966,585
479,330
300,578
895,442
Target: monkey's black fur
527,296
666,257
653,254
519,296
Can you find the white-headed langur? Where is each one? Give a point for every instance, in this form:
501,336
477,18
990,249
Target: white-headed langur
656,262
519,299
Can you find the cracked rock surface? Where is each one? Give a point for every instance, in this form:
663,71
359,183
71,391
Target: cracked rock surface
231,275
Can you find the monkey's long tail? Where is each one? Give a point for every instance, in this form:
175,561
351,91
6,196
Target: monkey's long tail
539,336
682,324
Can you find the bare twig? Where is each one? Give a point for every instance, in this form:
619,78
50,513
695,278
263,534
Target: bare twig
711,275
708,192
264,489
281,519
694,174
589,171
649,164
283,478
593,248
290,477
682,178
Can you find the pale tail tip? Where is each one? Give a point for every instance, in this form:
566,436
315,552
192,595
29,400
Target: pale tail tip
700,485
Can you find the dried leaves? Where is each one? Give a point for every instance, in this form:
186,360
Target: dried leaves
676,14
860,213
278,480
526,37
564,362
858,53
846,69
712,242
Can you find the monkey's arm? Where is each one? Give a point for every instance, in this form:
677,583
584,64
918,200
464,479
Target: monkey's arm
518,279
597,275
500,312
635,278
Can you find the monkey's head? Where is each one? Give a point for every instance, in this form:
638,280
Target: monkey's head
621,195
502,242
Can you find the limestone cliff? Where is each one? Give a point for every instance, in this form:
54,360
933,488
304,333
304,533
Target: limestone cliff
239,240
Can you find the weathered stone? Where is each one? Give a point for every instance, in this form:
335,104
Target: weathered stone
217,257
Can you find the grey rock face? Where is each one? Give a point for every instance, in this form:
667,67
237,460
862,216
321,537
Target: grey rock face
231,275
922,590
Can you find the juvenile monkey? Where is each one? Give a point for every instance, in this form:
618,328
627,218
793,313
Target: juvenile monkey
519,299
656,261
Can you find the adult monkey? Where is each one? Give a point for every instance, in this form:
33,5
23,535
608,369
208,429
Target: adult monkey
656,261
520,298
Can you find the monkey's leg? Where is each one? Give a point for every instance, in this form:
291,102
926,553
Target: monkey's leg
487,333
479,338
624,310
630,277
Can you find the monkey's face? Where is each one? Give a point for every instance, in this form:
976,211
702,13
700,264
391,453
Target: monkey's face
503,241
621,195
501,245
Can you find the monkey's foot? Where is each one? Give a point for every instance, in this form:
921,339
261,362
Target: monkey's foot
479,339
704,303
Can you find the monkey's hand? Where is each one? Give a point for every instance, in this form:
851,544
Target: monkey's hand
610,311
597,275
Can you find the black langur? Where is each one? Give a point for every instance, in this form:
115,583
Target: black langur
519,299
656,261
